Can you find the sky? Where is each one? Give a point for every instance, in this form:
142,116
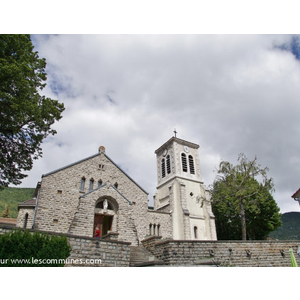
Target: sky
230,94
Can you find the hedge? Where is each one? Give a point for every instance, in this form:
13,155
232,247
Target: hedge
21,248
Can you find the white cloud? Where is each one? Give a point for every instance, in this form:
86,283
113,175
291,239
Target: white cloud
229,93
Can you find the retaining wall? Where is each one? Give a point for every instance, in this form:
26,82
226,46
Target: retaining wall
223,253
111,253
91,252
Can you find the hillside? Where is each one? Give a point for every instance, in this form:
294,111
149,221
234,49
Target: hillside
13,196
290,229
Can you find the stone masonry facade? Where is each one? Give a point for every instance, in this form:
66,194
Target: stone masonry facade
25,218
96,194
68,200
66,205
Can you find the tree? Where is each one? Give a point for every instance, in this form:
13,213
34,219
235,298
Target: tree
6,212
26,116
244,207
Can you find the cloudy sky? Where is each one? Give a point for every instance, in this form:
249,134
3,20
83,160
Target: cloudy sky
227,93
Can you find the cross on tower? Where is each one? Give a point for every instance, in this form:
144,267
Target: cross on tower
175,132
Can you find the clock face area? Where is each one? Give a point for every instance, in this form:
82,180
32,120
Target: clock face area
178,158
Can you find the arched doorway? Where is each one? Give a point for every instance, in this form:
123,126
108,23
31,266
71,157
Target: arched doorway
105,213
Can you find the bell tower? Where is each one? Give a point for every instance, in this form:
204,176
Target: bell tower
180,191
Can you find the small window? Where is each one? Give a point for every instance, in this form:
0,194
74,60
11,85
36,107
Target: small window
100,183
82,184
150,229
184,162
191,163
116,185
168,164
195,232
163,168
158,227
25,221
91,184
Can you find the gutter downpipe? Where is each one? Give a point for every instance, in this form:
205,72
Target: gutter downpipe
36,204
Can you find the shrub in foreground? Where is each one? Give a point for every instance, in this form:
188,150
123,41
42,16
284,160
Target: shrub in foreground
21,248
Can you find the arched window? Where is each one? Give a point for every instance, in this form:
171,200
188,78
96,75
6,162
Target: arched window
158,227
191,164
150,229
91,184
100,183
116,185
163,168
82,184
184,162
168,164
195,232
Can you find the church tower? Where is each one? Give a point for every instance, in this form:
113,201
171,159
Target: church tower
180,191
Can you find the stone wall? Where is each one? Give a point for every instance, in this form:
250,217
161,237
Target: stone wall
91,252
223,253
21,222
159,223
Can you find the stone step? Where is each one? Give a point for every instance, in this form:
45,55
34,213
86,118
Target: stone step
140,256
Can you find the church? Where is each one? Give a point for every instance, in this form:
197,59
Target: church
95,193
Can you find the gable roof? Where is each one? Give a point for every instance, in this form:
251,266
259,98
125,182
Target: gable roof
92,156
295,195
28,203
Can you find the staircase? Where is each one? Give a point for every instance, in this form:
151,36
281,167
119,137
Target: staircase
141,257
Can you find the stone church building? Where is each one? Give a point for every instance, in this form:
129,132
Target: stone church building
96,192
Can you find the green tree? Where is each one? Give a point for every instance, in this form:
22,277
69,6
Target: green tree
26,116
243,207
6,212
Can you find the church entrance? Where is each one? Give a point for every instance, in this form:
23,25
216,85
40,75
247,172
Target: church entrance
104,223
105,216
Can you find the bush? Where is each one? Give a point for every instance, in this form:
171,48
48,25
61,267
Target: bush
25,249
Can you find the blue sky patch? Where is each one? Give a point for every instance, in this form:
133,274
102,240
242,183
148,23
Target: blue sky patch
293,46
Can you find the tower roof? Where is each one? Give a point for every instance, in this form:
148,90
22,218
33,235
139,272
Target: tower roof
180,141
